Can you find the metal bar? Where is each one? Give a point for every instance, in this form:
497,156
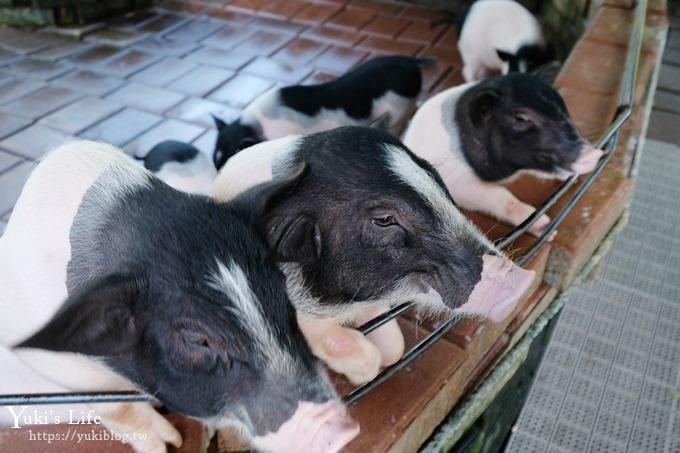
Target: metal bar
378,321
353,396
73,398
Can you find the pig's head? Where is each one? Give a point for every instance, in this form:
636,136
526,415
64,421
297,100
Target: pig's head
372,223
198,316
516,123
232,138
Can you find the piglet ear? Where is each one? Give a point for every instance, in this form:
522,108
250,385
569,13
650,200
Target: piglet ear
548,72
96,320
259,200
481,106
294,238
219,123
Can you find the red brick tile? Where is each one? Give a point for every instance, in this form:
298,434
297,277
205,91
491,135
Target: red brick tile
453,78
164,72
449,40
122,127
160,45
351,18
248,5
300,51
206,142
163,23
333,35
422,13
315,13
390,45
387,8
264,43
240,17
12,88
26,42
146,97
114,36
128,63
275,70
534,299
282,9
486,361
81,114
229,36
90,82
38,68
182,7
222,58
42,102
60,51
241,90
386,26
10,124
319,77
94,55
339,59
421,32
196,110
8,161
194,30
34,141
201,80
450,56
593,67
276,25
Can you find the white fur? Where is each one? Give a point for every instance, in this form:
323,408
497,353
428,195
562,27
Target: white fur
277,120
195,176
34,253
495,25
434,136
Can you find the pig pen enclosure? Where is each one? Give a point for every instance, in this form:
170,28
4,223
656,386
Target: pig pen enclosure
452,371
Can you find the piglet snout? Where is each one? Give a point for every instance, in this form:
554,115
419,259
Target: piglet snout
500,288
587,160
313,428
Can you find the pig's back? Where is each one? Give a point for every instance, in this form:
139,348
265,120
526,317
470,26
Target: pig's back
498,25
35,249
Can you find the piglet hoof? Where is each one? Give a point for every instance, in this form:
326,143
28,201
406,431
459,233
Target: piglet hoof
348,352
539,227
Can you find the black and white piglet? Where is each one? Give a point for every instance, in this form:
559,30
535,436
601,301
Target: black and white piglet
109,282
370,226
500,36
180,165
478,135
381,87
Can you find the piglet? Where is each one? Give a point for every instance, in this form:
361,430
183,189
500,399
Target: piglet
500,36
180,165
369,227
478,135
383,87
111,280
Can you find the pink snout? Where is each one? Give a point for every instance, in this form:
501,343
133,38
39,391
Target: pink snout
587,160
313,428
500,288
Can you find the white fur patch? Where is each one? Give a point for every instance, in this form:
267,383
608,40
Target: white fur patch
232,281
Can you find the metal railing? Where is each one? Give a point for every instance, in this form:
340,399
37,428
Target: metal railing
606,142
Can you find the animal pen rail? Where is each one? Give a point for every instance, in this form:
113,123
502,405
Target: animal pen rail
608,141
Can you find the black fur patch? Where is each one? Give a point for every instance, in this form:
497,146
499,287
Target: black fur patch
169,151
355,91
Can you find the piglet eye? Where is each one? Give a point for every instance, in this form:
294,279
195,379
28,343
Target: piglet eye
521,118
384,221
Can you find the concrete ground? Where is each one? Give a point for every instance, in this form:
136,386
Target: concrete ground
610,378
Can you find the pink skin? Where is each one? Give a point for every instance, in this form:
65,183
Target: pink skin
314,428
502,285
587,160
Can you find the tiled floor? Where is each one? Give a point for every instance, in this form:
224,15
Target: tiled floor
610,379
158,74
